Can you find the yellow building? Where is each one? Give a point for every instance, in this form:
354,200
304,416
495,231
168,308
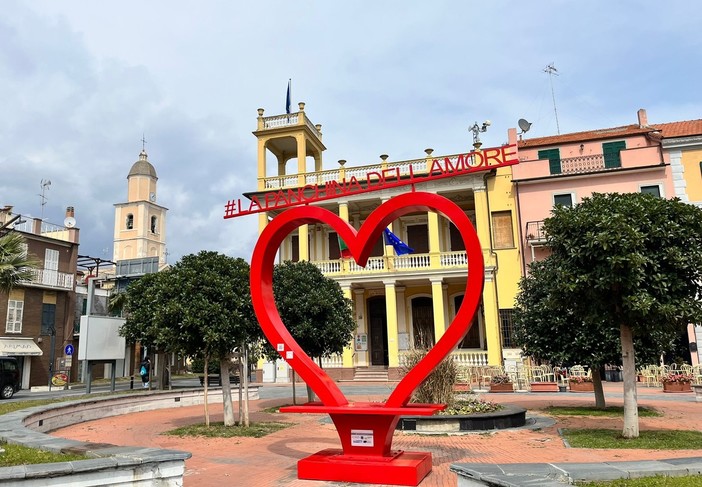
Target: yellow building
403,300
140,223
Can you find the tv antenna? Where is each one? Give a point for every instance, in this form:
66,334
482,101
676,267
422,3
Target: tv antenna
551,70
45,183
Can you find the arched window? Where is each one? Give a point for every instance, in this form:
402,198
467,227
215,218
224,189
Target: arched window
154,224
130,221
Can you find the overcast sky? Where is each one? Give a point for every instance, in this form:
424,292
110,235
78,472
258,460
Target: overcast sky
81,81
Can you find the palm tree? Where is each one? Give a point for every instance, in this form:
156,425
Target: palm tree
15,265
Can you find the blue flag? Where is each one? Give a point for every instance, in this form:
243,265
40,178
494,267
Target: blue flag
400,247
287,100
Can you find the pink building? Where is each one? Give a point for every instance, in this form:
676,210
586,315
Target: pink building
564,169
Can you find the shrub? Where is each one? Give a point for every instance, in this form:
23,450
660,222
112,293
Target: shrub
470,406
501,379
677,378
438,387
198,365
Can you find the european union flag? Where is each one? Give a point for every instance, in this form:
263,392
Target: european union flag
400,247
287,100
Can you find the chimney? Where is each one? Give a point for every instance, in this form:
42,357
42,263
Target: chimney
643,118
70,212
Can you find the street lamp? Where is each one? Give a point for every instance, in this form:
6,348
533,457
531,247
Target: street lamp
476,129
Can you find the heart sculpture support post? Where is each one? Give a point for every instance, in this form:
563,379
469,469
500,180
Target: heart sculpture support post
365,429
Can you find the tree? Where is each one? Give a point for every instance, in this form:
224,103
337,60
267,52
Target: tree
313,308
200,307
216,315
15,265
631,261
548,329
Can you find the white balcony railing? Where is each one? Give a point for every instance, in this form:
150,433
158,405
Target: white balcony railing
400,263
453,259
412,261
333,362
51,278
373,264
463,358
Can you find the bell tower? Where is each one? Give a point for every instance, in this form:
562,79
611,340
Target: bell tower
289,137
140,223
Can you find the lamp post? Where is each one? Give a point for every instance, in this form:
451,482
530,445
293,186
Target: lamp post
477,129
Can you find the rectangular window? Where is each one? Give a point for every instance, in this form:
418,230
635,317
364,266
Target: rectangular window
502,235
565,199
554,159
295,248
456,240
418,238
14,316
51,263
654,189
611,151
334,250
507,328
48,319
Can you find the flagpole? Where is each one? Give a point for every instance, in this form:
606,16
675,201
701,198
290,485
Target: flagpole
287,98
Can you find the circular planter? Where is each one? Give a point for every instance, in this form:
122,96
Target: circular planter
676,387
508,417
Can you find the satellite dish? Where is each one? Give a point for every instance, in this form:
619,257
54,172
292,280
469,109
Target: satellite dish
69,222
524,125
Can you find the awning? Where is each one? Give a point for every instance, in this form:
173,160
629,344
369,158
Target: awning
14,347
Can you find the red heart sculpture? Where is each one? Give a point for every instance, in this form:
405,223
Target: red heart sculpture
360,245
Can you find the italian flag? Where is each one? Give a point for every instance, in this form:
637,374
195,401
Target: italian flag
345,252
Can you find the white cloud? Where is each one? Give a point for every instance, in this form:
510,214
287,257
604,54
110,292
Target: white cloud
82,81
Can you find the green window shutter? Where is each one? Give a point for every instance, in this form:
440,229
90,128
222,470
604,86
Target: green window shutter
554,159
611,151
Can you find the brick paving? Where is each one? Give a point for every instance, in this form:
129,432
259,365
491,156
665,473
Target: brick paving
271,461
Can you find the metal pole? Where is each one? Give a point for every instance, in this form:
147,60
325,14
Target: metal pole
52,354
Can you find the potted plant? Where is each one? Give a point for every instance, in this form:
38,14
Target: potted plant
581,383
677,382
561,374
501,383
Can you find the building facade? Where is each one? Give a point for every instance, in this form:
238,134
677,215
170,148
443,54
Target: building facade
661,159
406,301
140,223
39,313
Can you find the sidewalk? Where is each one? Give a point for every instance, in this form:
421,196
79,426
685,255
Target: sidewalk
271,461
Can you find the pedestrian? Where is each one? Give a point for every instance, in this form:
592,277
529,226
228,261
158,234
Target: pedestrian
145,371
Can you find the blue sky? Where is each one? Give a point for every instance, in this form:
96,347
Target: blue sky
82,80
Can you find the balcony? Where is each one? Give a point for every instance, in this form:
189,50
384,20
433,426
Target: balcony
535,234
572,165
50,279
288,120
641,158
456,260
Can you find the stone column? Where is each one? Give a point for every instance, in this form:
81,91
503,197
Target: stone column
439,307
391,316
347,355
361,356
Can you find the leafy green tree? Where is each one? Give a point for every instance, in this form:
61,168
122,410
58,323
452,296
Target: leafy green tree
632,261
313,308
215,314
15,265
546,328
200,307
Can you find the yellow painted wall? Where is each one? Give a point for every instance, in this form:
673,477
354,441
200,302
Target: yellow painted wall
509,267
693,174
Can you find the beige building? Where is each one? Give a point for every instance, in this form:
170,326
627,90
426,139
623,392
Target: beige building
140,223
